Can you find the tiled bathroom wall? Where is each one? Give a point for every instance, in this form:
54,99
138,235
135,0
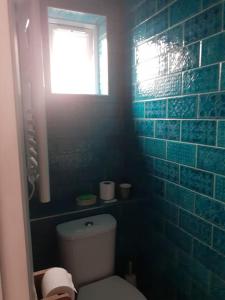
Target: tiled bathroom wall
178,100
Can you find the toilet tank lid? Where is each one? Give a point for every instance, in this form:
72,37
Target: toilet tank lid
86,227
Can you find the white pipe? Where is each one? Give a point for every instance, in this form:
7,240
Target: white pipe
38,100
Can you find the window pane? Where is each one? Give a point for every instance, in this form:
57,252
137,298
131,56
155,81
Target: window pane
103,62
72,68
78,52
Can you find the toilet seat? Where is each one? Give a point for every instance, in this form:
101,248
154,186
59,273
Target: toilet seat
112,288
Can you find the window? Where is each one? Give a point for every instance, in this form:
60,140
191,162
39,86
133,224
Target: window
78,53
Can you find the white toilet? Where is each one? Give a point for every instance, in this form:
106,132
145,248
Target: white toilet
88,251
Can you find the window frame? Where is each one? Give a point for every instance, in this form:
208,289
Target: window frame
91,30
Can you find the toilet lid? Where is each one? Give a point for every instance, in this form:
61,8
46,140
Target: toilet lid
112,288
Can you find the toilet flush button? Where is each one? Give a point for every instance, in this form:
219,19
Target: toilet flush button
89,224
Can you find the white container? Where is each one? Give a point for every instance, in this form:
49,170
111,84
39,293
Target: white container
88,248
107,190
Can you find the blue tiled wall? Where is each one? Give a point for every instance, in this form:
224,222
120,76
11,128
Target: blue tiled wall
178,100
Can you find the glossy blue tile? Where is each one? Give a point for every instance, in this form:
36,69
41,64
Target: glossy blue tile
211,159
201,80
197,180
220,188
210,210
212,49
131,4
212,106
178,237
159,87
196,227
157,186
145,70
162,3
155,109
223,77
184,58
219,240
217,288
170,40
210,20
166,170
156,148
207,3
140,14
221,134
181,153
182,9
139,34
194,269
182,108
180,64
210,258
138,110
144,128
201,132
168,210
167,130
180,196
157,24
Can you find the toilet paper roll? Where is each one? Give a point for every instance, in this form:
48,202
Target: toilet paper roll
57,281
107,190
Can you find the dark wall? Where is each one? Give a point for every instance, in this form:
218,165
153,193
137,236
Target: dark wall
86,145
86,133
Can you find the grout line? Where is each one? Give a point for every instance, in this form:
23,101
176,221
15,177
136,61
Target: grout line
178,217
154,128
217,132
193,191
200,54
201,8
220,76
192,247
179,23
198,217
192,236
198,107
214,186
196,157
180,72
212,235
182,165
179,174
181,128
166,150
154,15
178,96
189,143
131,10
222,17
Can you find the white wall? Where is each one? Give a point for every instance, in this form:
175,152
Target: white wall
14,252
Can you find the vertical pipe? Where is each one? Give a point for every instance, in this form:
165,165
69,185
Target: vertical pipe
38,100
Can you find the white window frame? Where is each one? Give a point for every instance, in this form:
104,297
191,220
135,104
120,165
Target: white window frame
91,30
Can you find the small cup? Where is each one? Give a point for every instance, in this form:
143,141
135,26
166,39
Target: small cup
125,189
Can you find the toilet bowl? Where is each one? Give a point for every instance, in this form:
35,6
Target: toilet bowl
112,288
87,248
